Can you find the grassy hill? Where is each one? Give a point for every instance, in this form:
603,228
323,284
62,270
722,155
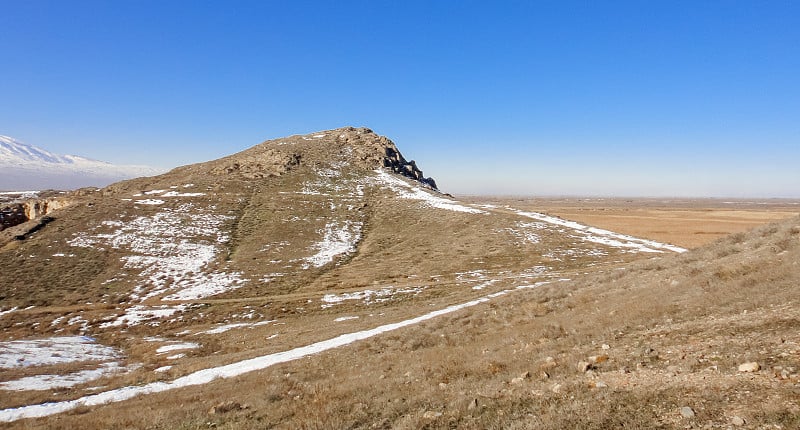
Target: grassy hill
470,315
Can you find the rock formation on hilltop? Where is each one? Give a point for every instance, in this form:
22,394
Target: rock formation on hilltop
362,146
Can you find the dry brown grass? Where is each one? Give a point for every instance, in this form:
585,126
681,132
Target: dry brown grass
463,370
675,337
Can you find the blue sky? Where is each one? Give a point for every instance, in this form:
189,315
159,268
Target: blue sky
641,98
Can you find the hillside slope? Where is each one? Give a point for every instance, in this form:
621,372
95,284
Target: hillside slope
656,345
293,247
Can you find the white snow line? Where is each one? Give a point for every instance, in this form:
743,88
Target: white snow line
405,190
8,311
176,347
605,237
234,369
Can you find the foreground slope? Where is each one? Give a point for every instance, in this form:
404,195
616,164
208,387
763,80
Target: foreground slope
289,248
659,344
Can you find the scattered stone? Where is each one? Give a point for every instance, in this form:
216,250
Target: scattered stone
600,384
738,421
521,378
549,363
687,412
431,415
556,388
749,367
606,347
442,385
597,359
544,375
225,407
473,404
584,366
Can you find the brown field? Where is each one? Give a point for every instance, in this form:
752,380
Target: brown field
684,222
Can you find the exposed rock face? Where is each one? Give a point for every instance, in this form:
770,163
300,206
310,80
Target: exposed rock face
409,169
12,215
18,213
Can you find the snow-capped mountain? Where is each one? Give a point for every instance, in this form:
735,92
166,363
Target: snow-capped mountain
24,166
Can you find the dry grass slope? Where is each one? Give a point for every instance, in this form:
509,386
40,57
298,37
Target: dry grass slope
305,240
626,348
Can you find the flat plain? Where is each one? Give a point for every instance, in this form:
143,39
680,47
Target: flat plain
686,222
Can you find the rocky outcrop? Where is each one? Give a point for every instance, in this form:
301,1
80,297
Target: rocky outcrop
12,215
359,147
373,151
18,213
260,165
395,161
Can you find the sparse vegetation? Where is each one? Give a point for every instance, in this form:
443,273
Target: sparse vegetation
607,338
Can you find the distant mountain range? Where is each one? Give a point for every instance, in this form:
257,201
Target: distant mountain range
27,167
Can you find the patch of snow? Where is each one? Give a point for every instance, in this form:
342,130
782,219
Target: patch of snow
224,328
153,192
6,312
49,382
178,194
150,202
139,314
162,369
484,285
338,238
406,190
369,296
176,347
79,320
171,249
54,350
176,356
340,319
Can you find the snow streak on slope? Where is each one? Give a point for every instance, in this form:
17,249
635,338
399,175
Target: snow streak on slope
54,350
234,369
49,382
405,190
171,249
604,237
339,238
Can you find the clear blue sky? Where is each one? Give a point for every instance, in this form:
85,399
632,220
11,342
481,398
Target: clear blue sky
640,98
